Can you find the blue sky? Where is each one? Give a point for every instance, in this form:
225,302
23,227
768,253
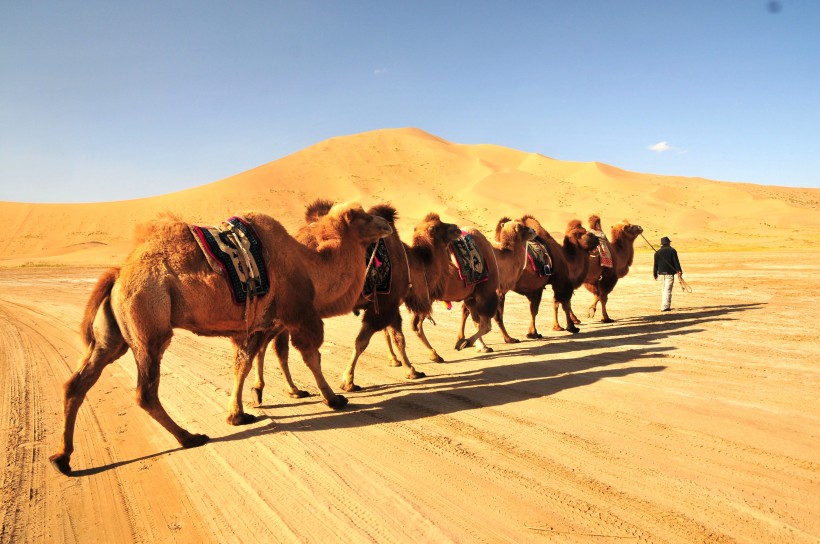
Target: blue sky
105,100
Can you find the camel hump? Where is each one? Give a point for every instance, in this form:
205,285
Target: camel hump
385,211
317,209
499,226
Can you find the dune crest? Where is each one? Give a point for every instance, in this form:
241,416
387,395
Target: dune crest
419,172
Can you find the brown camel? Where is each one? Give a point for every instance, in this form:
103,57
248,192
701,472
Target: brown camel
381,310
510,252
167,283
444,283
600,281
570,261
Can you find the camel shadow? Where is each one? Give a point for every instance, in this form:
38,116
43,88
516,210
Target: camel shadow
488,387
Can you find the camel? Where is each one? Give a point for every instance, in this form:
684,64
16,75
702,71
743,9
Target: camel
510,251
167,283
600,281
570,261
381,310
444,283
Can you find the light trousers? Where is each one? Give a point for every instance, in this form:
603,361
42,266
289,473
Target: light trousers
666,293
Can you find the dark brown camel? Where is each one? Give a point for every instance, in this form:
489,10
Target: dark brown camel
600,281
167,283
570,261
381,310
510,251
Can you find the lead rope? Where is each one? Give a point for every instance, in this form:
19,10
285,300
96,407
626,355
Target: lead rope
683,285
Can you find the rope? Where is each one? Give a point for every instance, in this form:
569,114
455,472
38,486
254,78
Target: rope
683,285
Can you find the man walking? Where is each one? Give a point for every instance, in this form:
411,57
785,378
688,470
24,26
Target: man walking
666,266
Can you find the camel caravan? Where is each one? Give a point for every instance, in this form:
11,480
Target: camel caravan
226,280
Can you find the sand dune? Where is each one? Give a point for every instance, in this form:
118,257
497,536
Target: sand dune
419,173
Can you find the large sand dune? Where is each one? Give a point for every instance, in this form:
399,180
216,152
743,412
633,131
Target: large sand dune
698,425
419,173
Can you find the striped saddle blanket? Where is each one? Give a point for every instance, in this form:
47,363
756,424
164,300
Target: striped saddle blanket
539,258
233,250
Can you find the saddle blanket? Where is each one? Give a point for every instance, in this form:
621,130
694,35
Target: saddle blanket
603,251
472,267
233,250
380,274
539,258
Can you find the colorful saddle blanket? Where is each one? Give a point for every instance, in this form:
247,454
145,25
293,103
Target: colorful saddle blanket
379,275
603,251
233,250
472,267
539,258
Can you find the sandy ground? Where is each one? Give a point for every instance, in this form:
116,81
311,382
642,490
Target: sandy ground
698,425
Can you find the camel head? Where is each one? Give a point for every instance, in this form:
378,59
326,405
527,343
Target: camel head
509,232
627,229
578,235
347,221
432,231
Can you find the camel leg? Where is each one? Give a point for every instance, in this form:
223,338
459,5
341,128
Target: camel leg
259,357
574,317
556,326
306,336
392,360
483,326
464,313
281,346
566,305
259,386
241,368
108,347
366,332
418,326
499,319
604,315
148,356
535,303
395,330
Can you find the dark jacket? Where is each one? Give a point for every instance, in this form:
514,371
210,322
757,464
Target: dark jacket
666,261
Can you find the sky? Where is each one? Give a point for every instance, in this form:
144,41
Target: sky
104,100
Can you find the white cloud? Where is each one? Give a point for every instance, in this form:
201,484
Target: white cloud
660,147
379,71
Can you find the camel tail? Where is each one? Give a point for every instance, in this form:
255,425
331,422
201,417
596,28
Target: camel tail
101,290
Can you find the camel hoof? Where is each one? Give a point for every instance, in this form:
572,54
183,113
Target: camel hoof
194,440
60,461
557,328
574,330
298,394
534,336
485,349
512,340
462,343
436,358
257,392
591,312
337,402
349,387
607,320
242,418
576,321
415,375
393,363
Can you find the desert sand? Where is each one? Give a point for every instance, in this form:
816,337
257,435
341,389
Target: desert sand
697,425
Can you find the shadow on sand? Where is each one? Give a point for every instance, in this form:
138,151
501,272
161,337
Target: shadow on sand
496,384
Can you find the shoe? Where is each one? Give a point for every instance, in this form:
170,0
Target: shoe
666,309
